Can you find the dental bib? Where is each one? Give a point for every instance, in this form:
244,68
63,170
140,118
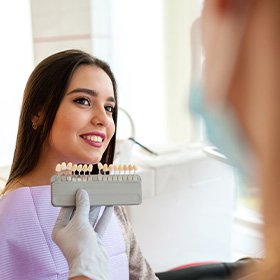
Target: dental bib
26,248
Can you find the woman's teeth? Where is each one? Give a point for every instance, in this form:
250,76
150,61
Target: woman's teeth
93,138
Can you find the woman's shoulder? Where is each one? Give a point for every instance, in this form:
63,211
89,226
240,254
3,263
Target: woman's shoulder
12,186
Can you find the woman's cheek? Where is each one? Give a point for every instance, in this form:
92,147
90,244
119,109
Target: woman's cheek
112,128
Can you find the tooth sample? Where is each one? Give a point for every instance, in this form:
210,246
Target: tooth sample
110,168
120,168
85,168
63,166
58,168
74,168
90,167
69,167
115,169
79,168
134,168
130,168
105,167
125,168
100,166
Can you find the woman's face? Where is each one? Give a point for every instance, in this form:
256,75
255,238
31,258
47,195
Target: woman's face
84,125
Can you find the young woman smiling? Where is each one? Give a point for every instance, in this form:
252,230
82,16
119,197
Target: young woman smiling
69,114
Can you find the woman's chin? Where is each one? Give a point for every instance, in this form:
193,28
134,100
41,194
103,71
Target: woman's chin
91,160
85,160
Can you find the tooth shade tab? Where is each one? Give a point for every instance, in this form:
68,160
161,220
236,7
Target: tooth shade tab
85,168
69,166
100,166
90,167
79,168
74,167
105,167
125,168
110,168
63,166
120,168
58,167
135,168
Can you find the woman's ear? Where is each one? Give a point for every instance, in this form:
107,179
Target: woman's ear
37,120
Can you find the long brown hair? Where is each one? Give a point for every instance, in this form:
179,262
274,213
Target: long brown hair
44,91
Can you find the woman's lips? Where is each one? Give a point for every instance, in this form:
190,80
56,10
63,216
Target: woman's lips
94,139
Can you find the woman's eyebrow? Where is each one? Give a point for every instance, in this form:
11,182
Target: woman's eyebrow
90,92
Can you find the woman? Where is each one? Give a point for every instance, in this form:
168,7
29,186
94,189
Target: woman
69,114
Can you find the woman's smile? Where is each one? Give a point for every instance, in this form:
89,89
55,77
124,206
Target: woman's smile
94,138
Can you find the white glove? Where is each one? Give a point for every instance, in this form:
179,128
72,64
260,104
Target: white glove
78,241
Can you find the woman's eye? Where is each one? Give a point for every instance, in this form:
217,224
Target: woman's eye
82,101
109,109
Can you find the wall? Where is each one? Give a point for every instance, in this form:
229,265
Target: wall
16,64
179,17
145,42
59,25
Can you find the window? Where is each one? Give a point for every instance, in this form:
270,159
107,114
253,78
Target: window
148,45
248,202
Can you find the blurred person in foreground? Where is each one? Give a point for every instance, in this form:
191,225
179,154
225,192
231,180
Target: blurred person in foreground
239,99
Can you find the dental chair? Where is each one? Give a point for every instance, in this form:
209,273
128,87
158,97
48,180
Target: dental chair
211,270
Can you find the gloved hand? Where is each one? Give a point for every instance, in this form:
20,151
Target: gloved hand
79,242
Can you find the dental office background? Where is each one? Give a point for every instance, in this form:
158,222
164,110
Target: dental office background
194,207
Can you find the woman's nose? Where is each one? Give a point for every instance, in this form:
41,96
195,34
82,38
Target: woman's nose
100,117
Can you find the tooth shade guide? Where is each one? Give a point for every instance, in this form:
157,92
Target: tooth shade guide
101,189
82,172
